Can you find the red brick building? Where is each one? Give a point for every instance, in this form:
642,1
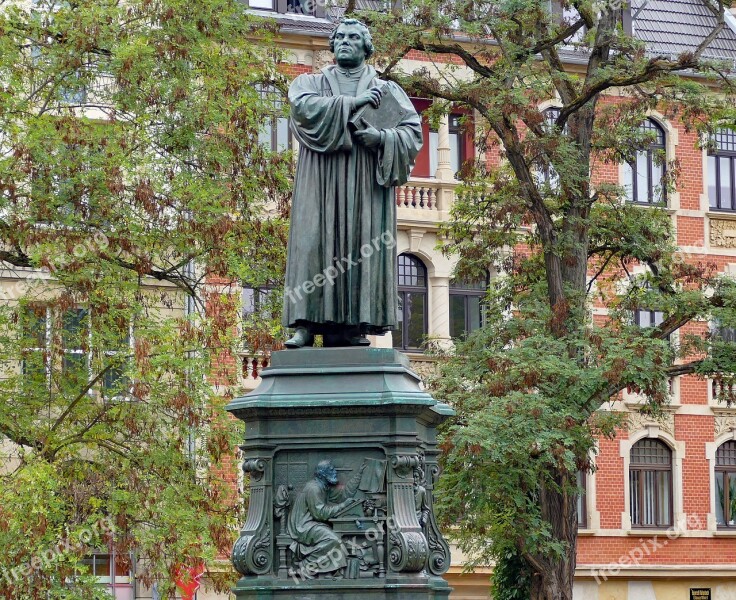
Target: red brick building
659,515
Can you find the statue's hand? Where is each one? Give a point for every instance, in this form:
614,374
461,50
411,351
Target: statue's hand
370,136
372,97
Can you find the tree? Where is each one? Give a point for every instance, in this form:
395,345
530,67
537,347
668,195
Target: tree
531,387
132,185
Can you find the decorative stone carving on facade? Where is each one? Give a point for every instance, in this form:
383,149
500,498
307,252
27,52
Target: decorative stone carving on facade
426,369
725,422
322,58
639,420
723,233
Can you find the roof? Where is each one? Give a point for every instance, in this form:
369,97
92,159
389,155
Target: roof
671,27
667,27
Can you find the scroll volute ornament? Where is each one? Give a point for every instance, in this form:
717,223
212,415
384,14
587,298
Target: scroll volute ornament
253,551
408,547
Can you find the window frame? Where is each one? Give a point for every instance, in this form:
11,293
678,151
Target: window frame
269,92
729,475
650,150
402,291
43,348
656,317
466,293
282,7
112,579
546,173
642,468
717,386
257,301
718,154
55,325
582,481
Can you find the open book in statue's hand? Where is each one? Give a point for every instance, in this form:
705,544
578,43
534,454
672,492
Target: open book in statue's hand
388,115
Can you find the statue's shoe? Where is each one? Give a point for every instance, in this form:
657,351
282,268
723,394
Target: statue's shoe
301,338
360,340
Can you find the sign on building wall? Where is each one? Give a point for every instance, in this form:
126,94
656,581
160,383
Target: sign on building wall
700,594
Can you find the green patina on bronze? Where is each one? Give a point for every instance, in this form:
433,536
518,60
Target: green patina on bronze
340,275
340,443
341,450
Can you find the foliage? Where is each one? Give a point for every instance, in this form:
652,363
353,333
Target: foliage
510,579
536,387
132,201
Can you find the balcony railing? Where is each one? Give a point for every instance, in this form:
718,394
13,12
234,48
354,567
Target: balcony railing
252,365
431,196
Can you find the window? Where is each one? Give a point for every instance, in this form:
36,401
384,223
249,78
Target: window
34,348
582,481
116,347
466,306
723,387
315,8
650,480
725,472
460,142
412,308
567,16
112,570
648,318
546,174
75,341
456,146
257,302
274,134
69,332
721,169
644,177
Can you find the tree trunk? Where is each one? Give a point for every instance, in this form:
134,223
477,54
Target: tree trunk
553,579
554,584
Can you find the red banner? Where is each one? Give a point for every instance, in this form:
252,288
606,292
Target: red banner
188,581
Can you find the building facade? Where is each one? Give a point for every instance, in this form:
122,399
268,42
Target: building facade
658,519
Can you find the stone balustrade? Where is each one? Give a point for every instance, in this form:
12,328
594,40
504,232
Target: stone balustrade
429,196
251,367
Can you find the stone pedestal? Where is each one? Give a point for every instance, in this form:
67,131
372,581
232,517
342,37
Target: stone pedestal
370,532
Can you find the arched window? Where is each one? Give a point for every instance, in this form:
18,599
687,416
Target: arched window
650,479
466,306
644,176
721,170
726,485
412,308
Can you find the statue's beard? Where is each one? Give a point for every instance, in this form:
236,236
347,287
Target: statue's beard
349,62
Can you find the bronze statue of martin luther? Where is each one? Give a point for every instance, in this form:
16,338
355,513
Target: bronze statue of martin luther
340,275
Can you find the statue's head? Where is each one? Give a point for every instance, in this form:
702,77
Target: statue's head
351,43
418,476
326,472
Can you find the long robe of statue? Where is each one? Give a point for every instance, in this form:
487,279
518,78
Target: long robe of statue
343,211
